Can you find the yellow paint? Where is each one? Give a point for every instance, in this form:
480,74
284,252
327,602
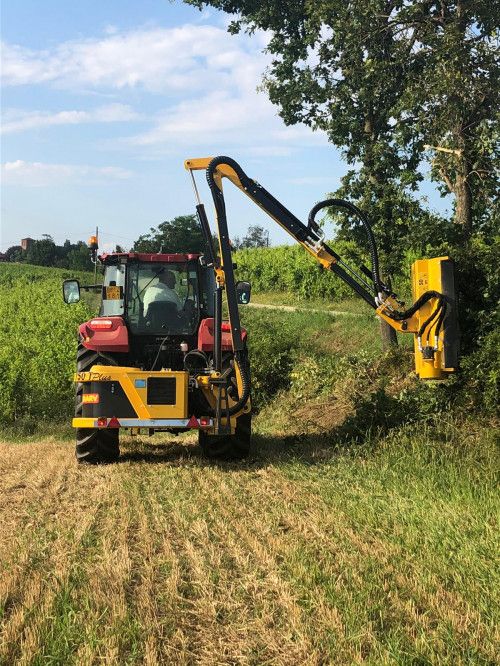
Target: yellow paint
426,276
138,396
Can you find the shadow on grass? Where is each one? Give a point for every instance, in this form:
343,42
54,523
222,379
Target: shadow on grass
374,417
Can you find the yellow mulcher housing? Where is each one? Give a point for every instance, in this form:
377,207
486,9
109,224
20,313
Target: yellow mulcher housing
200,377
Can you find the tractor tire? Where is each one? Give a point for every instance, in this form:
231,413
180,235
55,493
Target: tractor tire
228,447
93,446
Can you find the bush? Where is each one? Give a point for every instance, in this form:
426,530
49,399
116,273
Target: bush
37,344
479,385
289,268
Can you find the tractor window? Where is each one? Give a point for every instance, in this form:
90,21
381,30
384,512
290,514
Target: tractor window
163,298
112,291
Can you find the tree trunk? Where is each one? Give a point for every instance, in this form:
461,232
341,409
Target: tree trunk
463,202
388,335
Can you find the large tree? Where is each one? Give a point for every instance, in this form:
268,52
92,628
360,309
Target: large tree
384,79
182,234
42,252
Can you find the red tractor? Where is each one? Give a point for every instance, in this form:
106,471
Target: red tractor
152,358
160,356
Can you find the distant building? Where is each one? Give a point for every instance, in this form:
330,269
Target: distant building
25,243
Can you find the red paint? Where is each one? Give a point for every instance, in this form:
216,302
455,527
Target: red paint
206,335
144,257
193,423
114,339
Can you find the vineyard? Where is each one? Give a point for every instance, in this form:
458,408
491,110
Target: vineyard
362,529
37,344
287,268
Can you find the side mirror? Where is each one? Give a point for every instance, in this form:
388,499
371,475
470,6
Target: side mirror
71,291
243,291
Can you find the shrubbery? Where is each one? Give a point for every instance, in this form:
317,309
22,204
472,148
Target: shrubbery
37,344
288,268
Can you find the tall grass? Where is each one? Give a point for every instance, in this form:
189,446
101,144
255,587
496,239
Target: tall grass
38,333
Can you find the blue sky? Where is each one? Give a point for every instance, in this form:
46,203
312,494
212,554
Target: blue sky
103,101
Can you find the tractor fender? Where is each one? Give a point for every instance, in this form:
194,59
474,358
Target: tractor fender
112,339
206,335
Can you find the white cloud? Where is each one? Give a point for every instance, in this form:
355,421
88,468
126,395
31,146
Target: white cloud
158,59
40,174
18,121
208,77
228,119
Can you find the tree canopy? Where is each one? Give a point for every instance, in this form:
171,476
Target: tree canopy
393,83
256,236
182,234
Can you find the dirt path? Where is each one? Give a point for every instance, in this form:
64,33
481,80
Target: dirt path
294,308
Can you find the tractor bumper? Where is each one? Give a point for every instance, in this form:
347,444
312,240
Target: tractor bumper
157,424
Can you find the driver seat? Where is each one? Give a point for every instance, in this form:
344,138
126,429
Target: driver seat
162,315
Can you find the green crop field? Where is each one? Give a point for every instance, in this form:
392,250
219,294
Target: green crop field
361,530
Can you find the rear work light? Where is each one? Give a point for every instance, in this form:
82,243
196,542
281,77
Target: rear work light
101,324
90,398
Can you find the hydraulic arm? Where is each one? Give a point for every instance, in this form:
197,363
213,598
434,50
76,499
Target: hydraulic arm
431,318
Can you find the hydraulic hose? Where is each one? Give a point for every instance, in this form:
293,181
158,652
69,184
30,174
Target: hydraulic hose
245,381
341,203
216,193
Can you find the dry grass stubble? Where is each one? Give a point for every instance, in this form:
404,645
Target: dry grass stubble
164,558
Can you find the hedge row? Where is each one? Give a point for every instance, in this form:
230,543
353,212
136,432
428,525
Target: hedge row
37,343
290,269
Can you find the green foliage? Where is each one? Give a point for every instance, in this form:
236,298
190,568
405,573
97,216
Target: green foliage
41,252
478,286
78,258
37,344
14,253
182,234
45,252
479,386
393,84
288,268
256,236
399,222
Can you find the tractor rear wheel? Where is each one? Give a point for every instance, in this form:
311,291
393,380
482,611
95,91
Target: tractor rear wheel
228,447
93,446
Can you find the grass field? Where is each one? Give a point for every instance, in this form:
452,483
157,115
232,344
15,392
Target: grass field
362,529
305,554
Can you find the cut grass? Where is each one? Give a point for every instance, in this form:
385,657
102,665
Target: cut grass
307,553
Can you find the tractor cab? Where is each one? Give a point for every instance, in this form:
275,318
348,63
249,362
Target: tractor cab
157,294
151,304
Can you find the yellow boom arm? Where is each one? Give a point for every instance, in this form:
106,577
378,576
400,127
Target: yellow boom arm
432,317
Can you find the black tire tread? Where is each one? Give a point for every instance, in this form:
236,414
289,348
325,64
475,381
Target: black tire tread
228,447
93,446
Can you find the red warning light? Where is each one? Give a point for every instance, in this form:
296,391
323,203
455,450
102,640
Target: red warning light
113,423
